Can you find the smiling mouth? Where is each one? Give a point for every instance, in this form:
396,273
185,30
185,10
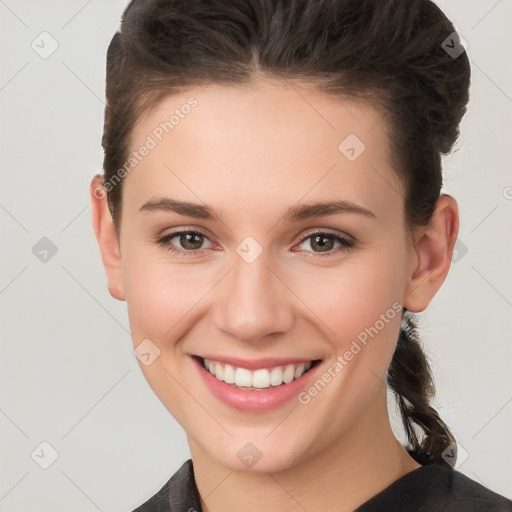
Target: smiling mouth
259,379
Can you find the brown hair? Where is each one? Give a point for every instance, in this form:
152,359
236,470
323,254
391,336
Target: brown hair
388,52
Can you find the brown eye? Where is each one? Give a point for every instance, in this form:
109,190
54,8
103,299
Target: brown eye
322,243
191,241
184,242
325,243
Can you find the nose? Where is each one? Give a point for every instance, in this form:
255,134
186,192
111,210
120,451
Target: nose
253,302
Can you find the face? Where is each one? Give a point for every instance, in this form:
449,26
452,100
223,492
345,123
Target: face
254,272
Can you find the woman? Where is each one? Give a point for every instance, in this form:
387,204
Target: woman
271,212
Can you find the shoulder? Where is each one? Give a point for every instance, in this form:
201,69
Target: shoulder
177,494
464,490
436,487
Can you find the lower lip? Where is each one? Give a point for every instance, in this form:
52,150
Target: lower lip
252,400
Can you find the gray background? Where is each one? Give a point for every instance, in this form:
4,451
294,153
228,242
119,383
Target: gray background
68,374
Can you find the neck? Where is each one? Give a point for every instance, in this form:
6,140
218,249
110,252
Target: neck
357,465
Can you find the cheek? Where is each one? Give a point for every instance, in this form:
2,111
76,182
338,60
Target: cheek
163,301
345,300
359,300
160,295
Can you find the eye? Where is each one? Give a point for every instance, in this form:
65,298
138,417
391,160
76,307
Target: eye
191,242
323,242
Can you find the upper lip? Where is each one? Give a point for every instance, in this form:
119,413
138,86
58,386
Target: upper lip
255,364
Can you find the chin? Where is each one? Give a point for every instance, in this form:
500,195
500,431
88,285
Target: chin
257,457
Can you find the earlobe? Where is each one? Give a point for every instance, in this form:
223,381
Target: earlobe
107,238
432,254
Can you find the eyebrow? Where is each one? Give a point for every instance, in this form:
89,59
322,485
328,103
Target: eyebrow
293,214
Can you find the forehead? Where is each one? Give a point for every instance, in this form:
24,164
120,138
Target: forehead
274,141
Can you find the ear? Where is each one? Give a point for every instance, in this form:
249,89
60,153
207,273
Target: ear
432,254
107,239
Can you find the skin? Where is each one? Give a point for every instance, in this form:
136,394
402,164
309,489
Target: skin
251,153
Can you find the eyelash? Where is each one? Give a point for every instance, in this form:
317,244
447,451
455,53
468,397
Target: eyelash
346,243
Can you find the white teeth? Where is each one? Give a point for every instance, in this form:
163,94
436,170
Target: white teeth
229,374
289,374
219,371
299,371
243,377
276,377
262,378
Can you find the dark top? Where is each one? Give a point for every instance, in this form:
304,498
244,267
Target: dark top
430,488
